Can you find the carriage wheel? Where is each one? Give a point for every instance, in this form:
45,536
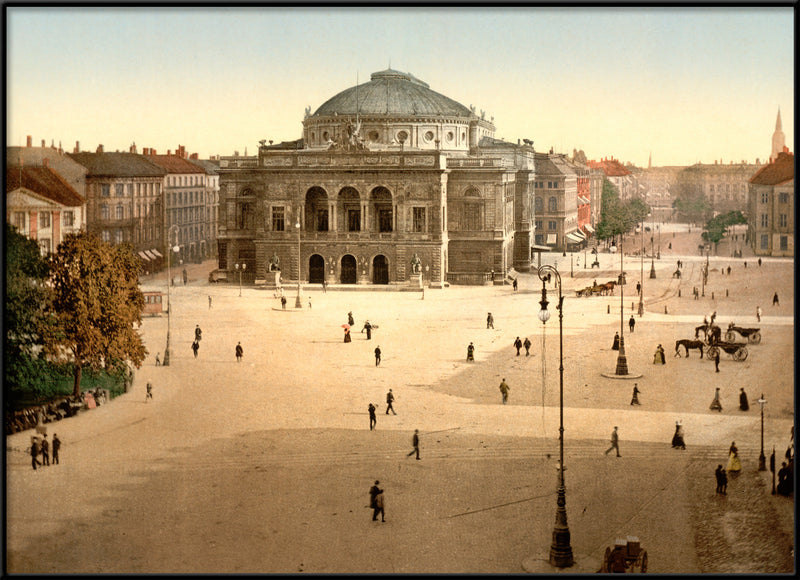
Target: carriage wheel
644,561
606,560
740,354
755,338
730,336
711,353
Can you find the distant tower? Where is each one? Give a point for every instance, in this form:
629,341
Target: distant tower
778,139
650,160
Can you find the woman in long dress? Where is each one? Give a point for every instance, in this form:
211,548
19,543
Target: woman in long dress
677,439
715,404
347,335
734,463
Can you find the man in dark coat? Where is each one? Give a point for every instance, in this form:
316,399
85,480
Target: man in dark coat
527,345
389,401
368,328
632,323
45,450
56,447
376,501
372,418
377,355
518,345
743,404
415,443
615,346
239,352
35,452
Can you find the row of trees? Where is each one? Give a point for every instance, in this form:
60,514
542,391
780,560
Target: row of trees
618,216
79,306
716,228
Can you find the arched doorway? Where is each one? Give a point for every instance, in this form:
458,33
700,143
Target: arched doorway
349,270
380,270
316,269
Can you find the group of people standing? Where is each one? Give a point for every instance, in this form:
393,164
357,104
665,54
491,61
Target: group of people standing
42,447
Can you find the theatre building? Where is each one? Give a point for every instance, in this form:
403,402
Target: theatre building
388,174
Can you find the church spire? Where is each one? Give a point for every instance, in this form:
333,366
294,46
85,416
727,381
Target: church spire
778,122
778,139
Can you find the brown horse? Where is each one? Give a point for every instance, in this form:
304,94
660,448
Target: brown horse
687,344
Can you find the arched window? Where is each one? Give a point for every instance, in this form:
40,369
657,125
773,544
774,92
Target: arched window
552,205
104,212
538,204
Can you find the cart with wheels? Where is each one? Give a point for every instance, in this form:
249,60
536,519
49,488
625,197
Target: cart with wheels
626,556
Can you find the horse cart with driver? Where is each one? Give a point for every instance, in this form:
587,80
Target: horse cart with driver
626,556
736,349
753,335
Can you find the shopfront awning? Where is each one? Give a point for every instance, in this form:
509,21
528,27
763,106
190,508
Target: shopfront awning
574,239
150,254
156,253
580,234
551,239
589,228
538,248
144,256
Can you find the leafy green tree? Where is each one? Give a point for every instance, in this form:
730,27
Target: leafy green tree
27,300
716,228
618,216
97,302
690,201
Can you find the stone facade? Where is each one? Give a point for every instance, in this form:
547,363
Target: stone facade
771,208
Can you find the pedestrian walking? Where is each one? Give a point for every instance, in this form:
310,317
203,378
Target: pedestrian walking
185,276
729,270
677,438
745,264
283,302
518,345
309,302
716,361
734,463
350,319
56,447
515,284
415,443
715,404
149,392
759,262
743,404
658,357
722,480
324,286
45,450
158,359
35,450
389,401
347,335
377,355
198,334
614,442
615,346
504,388
368,328
471,353
373,420
631,323
489,320
239,352
376,501
636,391
195,348
638,288
527,345
758,313
775,301
209,302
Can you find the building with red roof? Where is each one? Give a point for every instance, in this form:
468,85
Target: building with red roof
771,207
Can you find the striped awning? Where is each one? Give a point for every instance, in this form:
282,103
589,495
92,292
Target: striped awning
551,239
574,239
150,254
156,253
579,234
144,256
589,228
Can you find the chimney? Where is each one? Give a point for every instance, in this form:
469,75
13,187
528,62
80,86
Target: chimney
43,144
45,162
30,141
153,151
194,156
169,151
100,148
60,149
133,147
77,147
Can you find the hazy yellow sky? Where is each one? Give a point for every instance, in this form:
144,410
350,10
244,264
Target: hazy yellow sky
686,84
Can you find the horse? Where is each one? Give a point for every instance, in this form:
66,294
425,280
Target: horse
609,287
712,331
687,344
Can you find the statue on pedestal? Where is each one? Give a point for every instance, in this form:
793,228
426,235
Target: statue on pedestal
274,263
416,265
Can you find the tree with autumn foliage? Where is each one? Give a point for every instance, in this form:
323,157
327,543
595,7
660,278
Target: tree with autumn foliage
97,302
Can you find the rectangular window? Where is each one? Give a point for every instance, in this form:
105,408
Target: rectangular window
118,237
552,225
120,212
385,220
44,219
764,197
472,216
538,224
784,243
130,189
106,235
44,246
764,220
19,220
322,220
784,197
105,189
353,220
278,219
69,218
765,241
119,189
419,219
539,239
104,213
783,220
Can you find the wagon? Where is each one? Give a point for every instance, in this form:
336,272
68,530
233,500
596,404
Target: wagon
626,556
753,335
736,349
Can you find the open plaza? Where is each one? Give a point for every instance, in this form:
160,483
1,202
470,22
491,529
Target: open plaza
264,465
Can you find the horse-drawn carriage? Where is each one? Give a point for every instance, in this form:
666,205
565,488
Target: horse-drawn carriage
626,556
736,349
597,289
753,335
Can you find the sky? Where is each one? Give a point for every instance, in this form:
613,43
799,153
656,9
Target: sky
682,84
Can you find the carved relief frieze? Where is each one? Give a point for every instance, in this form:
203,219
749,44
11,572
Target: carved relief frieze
271,161
426,161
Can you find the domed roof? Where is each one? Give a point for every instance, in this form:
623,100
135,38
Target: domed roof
394,93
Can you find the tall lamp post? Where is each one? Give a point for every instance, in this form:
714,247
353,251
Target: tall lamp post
761,458
244,267
298,303
560,549
170,249
652,252
622,361
641,276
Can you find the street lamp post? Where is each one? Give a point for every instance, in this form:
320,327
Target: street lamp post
170,249
244,267
298,303
761,458
622,361
560,549
641,276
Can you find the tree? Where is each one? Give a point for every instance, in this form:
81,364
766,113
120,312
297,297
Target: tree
617,216
97,302
27,301
716,228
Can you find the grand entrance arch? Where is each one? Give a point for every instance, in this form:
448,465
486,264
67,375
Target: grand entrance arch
349,270
380,270
316,269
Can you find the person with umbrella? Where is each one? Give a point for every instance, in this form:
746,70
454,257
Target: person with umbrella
347,333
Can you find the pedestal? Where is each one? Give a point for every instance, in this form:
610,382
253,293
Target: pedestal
415,280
